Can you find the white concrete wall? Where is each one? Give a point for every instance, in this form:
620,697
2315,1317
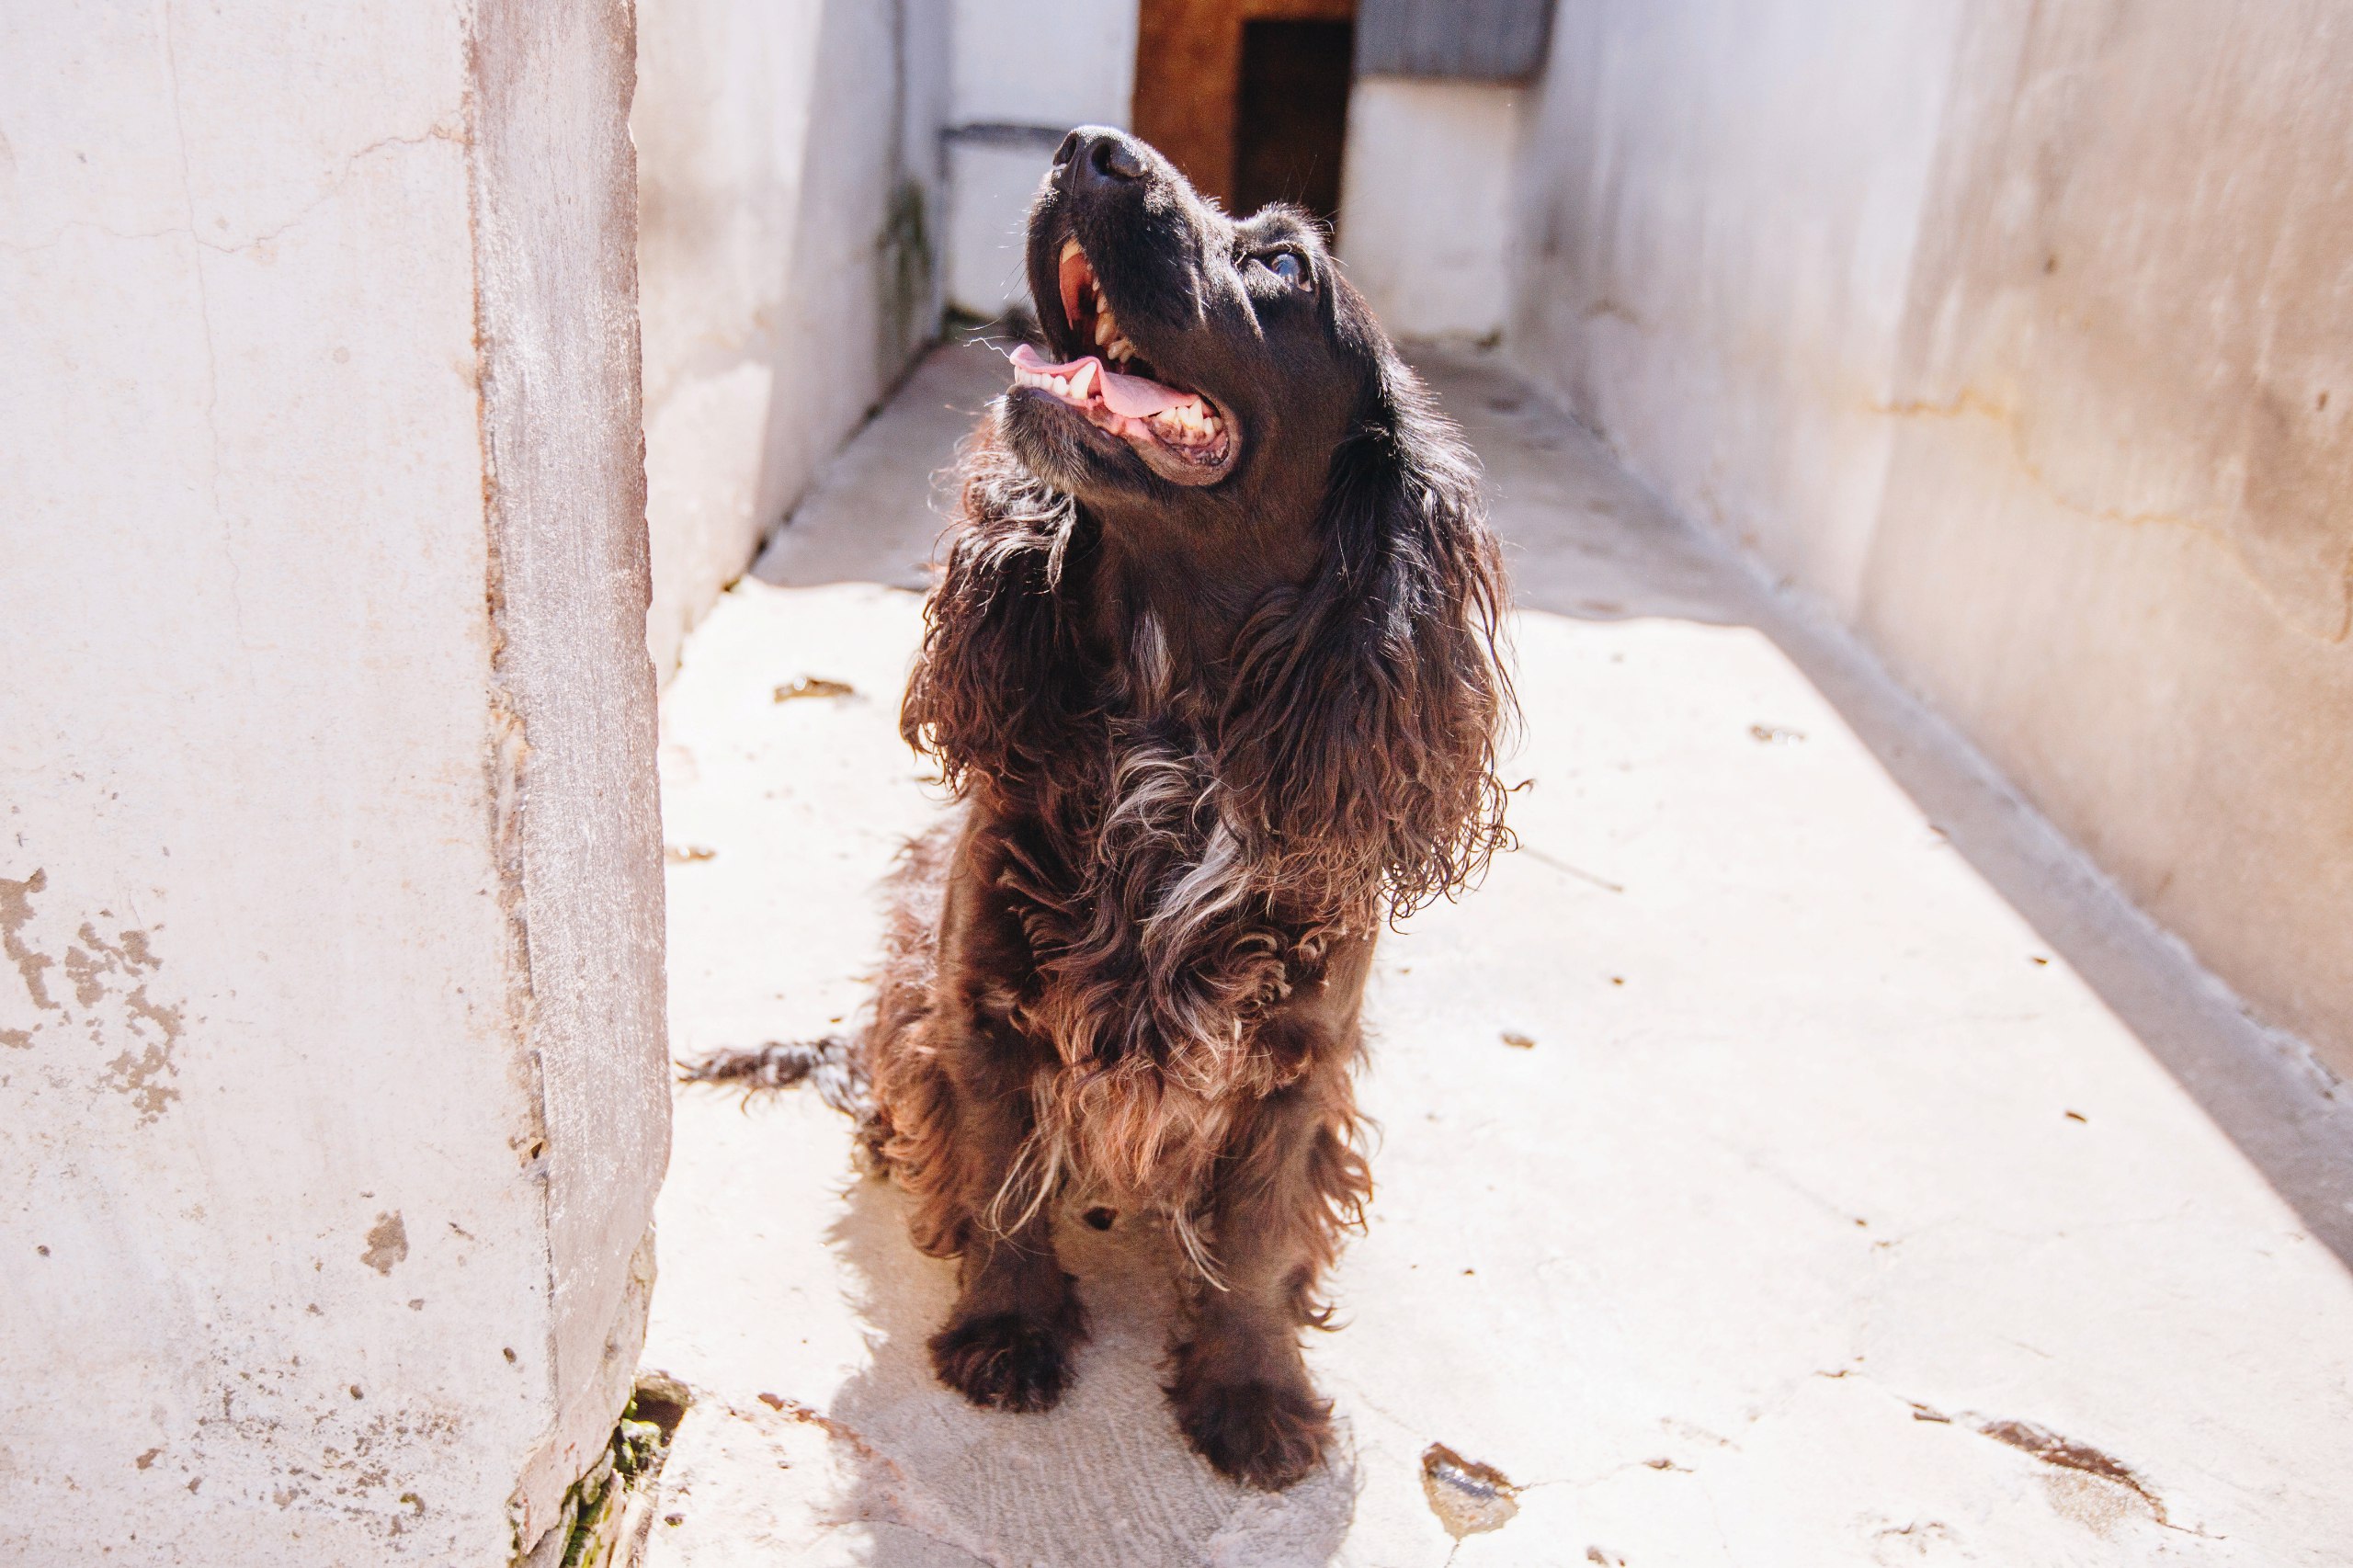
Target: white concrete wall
790,175
1043,62
1426,203
990,182
2014,334
1026,70
332,1070
1717,211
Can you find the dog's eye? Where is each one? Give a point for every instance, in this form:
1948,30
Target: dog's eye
1286,266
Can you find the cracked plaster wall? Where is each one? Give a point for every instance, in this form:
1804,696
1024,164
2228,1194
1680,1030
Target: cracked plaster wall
790,176
331,1099
2014,335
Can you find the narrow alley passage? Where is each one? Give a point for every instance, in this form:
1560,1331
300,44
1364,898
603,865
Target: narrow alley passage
1769,1171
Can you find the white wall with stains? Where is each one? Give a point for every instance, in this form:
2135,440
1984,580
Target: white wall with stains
790,169
2014,334
332,1087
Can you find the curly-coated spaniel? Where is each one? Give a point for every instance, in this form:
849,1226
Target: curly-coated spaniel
1212,672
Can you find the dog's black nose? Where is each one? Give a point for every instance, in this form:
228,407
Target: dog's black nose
1098,154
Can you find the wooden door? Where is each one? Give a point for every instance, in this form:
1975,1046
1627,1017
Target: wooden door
1249,97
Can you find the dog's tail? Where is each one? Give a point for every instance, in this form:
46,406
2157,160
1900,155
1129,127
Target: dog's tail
834,1066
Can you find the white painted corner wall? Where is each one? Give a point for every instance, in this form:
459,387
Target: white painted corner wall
333,1093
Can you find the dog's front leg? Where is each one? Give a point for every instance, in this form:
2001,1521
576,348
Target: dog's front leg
1287,1181
1016,1323
987,1196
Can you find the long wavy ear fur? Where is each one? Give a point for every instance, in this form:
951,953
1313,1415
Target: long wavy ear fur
997,689
1360,732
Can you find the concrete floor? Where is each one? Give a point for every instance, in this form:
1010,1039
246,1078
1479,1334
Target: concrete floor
1782,1164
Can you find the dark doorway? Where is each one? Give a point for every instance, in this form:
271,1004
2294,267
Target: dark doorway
1291,115
1189,87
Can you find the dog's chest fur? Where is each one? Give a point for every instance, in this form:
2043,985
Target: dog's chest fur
1159,957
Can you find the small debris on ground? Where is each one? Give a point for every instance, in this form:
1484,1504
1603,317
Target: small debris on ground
1468,1497
1518,1041
1774,734
2067,1454
814,686
688,853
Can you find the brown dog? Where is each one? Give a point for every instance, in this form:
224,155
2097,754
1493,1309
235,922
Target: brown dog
1212,673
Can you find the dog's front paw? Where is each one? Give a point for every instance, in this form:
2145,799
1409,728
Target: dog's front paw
1262,1435
1003,1361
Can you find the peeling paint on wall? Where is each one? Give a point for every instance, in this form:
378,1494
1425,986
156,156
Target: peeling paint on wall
261,998
387,1243
15,913
110,1005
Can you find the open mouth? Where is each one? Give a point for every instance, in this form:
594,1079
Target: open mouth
1184,428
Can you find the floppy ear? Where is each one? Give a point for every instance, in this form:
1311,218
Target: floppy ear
992,696
1359,739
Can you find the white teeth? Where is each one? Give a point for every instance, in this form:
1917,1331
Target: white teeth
1107,327
1190,424
1080,382
1062,387
1122,350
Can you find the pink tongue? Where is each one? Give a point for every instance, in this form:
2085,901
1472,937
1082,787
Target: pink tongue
1131,396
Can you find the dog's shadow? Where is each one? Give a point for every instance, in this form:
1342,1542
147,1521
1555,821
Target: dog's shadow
1104,1477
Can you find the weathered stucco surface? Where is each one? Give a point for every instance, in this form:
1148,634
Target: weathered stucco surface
577,805
2014,334
788,172
330,1030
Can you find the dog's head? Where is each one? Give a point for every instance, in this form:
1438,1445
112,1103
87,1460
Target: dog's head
1267,526
1195,370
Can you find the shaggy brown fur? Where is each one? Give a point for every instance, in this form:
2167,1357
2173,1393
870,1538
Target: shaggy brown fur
1206,738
